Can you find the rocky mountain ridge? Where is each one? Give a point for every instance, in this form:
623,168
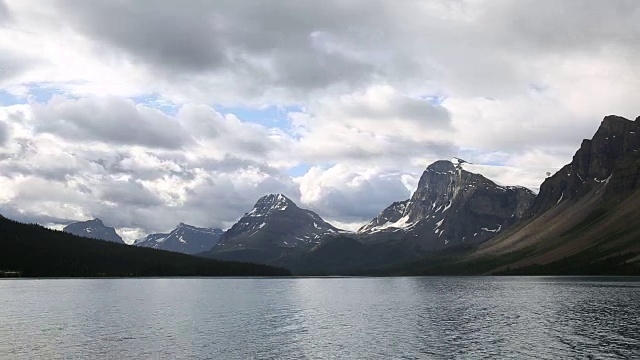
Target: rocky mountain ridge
275,225
184,239
94,229
451,206
613,147
586,216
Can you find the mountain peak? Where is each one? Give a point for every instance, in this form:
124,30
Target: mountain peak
275,198
95,229
441,166
271,203
600,161
274,226
450,206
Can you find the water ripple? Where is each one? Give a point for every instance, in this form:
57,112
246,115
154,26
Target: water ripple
346,318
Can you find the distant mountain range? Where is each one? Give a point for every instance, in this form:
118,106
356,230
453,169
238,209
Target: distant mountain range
451,207
184,239
34,251
585,219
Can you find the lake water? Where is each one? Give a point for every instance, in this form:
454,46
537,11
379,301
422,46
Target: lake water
318,318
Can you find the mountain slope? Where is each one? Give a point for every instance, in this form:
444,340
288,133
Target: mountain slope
590,207
184,239
450,207
274,227
94,229
32,250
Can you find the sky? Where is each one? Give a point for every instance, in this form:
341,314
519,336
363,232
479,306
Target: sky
147,116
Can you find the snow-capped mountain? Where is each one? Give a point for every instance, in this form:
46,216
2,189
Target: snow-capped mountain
94,229
451,206
184,238
274,225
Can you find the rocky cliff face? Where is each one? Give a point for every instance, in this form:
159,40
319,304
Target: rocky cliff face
94,229
451,206
608,158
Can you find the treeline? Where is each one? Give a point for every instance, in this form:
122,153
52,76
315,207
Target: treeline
584,263
33,251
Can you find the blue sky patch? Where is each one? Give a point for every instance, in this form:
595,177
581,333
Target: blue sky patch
299,170
435,100
157,102
8,99
269,116
37,92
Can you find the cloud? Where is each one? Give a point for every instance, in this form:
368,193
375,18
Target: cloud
4,12
4,133
566,27
273,43
353,194
128,192
378,124
49,176
12,65
111,120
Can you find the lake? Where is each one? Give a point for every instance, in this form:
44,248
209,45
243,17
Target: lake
318,318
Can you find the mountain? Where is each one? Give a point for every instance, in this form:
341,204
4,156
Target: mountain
34,251
184,239
584,221
94,229
587,213
275,227
450,207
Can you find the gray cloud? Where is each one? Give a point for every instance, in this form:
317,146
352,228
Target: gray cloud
281,43
129,192
4,133
4,12
166,34
566,26
13,212
111,120
470,47
12,65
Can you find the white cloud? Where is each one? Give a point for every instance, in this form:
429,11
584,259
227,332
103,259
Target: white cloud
353,194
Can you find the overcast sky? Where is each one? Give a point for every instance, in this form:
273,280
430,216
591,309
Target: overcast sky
146,114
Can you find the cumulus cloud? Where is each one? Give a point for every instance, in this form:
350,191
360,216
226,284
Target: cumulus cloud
378,124
111,120
353,194
49,175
